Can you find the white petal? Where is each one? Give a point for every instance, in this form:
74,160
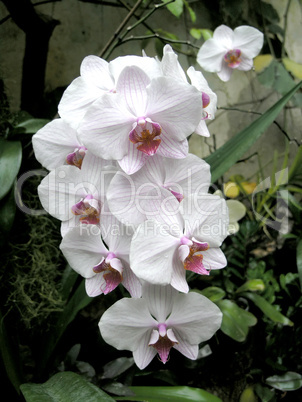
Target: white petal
130,281
206,218
83,250
132,85
125,324
54,142
105,127
225,36
170,65
249,40
185,348
245,64
225,73
194,318
133,159
171,148
151,253
179,281
60,190
95,71
148,64
210,55
144,353
76,100
213,258
202,129
94,285
174,105
159,299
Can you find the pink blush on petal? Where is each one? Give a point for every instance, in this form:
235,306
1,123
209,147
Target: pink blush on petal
232,58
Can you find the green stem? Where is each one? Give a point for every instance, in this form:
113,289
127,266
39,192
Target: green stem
285,28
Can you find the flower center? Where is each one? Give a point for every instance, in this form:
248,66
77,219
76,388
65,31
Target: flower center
163,340
190,254
76,157
89,210
232,57
144,133
112,270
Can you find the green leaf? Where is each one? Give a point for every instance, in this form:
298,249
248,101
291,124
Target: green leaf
289,381
198,33
235,320
67,387
117,367
10,162
173,394
268,309
227,155
31,126
176,8
213,293
299,261
248,395
7,214
253,285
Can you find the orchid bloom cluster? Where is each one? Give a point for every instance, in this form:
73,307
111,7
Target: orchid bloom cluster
135,206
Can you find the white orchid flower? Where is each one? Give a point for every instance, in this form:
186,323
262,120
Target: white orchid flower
75,195
128,195
165,247
97,77
144,117
172,68
103,266
159,321
57,144
229,50
237,211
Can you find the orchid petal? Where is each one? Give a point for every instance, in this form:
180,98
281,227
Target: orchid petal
170,65
237,210
194,318
116,235
148,64
210,55
159,299
133,160
105,127
174,105
144,354
151,253
214,258
94,285
95,72
249,40
245,64
171,148
225,73
125,324
178,280
185,348
132,85
54,142
130,281
83,250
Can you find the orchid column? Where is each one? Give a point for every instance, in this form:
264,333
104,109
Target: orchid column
135,206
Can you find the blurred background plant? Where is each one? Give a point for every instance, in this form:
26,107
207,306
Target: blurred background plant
50,343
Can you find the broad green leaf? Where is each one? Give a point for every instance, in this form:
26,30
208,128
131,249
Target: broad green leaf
31,126
265,394
289,381
176,8
293,67
10,162
173,394
262,61
276,77
227,155
10,356
268,309
253,285
213,293
299,261
117,367
64,387
7,212
235,320
197,33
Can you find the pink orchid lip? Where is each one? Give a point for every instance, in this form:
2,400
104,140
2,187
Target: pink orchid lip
113,277
163,340
205,99
194,260
232,57
177,195
144,133
89,210
76,157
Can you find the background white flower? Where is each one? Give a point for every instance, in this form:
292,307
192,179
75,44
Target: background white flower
230,49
